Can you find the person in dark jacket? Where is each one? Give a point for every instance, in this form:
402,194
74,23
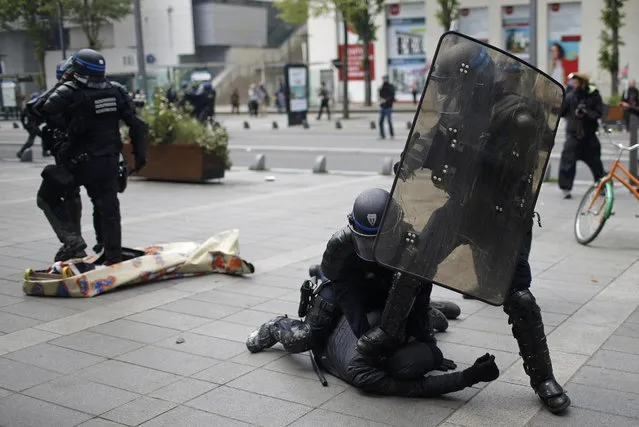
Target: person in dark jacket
630,102
31,124
88,109
387,98
582,109
404,372
354,286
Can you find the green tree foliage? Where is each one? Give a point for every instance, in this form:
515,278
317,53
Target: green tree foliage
612,18
294,12
36,17
91,15
447,13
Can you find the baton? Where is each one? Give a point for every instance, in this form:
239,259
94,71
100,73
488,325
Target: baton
317,370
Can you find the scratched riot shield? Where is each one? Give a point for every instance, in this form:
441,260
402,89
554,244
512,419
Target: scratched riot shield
472,168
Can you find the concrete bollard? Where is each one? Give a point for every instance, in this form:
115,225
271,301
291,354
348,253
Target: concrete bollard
408,125
275,125
27,155
387,166
320,165
373,125
259,164
246,125
338,125
15,125
305,124
547,175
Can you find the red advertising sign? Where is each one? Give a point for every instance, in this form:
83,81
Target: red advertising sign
356,61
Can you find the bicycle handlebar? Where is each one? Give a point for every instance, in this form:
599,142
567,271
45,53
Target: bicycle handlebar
622,147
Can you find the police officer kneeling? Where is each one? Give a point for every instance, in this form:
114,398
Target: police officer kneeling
89,108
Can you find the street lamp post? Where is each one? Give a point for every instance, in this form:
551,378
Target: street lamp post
533,33
61,30
139,39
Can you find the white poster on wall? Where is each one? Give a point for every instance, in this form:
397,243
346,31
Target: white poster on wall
406,32
473,21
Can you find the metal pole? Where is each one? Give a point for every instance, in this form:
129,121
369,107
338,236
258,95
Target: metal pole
533,33
633,125
61,30
139,41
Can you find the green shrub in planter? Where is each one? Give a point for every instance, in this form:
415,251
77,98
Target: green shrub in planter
172,124
613,100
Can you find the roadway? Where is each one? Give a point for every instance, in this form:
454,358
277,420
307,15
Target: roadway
355,147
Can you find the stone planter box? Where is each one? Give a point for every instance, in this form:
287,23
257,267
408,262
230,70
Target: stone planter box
615,114
177,162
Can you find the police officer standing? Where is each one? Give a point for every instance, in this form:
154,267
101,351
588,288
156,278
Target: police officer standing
89,109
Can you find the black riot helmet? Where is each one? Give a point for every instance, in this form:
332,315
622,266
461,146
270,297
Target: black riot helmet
88,63
365,219
63,68
462,74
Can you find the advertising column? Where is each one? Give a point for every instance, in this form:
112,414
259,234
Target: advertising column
296,76
564,38
473,22
516,30
406,53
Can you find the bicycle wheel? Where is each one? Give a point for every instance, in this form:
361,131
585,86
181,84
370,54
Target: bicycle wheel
593,212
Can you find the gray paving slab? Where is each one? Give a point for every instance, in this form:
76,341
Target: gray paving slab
183,390
579,417
167,360
224,372
39,310
99,422
18,410
249,407
134,331
18,376
321,417
191,417
134,378
81,395
200,308
54,358
611,402
138,411
169,319
97,344
621,361
202,345
11,323
225,330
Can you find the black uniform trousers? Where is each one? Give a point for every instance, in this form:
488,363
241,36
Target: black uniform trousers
587,149
99,175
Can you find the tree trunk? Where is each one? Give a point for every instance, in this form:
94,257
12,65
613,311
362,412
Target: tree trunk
367,73
614,69
345,68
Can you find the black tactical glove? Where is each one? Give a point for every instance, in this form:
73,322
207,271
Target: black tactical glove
483,370
447,365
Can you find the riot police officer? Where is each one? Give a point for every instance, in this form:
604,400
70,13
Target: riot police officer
58,197
89,108
355,285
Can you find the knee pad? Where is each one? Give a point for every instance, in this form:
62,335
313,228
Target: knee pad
294,335
521,305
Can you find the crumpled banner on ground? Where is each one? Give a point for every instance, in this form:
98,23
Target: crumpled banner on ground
81,278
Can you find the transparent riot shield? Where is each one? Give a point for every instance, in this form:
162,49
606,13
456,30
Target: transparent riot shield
471,170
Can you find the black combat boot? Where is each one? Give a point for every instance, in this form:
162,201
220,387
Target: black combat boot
528,329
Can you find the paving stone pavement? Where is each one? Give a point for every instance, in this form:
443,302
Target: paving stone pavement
113,360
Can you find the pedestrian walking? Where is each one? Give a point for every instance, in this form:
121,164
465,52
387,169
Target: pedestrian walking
582,109
324,97
386,97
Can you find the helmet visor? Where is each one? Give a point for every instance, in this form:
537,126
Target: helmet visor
363,245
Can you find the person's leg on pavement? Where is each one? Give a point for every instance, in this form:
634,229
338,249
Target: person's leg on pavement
592,157
382,115
100,178
28,144
568,166
528,329
297,336
389,117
